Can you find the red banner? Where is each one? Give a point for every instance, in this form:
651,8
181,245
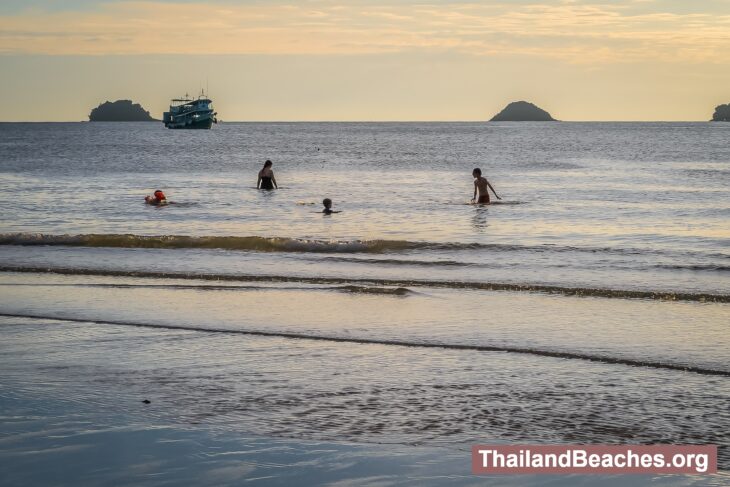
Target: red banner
594,459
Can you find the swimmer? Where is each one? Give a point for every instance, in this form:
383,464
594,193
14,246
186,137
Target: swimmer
159,198
481,185
266,177
328,207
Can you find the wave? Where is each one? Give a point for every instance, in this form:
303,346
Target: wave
399,343
387,291
352,289
694,267
408,262
286,244
251,243
629,265
390,283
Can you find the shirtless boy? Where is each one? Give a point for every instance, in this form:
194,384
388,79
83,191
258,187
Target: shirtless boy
481,185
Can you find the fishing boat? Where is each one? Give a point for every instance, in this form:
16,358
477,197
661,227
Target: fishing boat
189,113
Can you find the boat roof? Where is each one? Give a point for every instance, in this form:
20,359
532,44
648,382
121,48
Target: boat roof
190,100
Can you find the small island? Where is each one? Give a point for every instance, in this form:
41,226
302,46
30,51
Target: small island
120,111
522,111
722,113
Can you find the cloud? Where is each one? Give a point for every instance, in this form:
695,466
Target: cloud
576,32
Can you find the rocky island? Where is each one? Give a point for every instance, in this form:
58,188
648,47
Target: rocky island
722,113
120,111
522,111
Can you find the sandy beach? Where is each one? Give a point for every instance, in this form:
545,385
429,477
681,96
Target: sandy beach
74,405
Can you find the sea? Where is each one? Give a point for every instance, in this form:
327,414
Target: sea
590,304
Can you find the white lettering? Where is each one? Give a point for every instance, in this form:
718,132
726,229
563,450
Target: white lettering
485,456
580,458
701,462
633,460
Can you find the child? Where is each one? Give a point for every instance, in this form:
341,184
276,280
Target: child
158,199
482,185
328,207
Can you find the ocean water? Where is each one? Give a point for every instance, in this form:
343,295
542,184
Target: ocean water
590,305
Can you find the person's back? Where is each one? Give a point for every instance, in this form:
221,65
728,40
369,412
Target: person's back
481,187
266,178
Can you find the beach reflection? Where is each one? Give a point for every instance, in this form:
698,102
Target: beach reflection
479,219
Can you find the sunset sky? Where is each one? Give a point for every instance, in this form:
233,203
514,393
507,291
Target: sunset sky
368,59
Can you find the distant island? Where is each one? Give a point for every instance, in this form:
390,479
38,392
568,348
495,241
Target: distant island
522,111
120,111
722,113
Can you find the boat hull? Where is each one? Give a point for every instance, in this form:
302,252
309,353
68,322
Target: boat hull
193,124
205,123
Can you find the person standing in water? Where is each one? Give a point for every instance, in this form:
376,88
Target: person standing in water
482,186
266,177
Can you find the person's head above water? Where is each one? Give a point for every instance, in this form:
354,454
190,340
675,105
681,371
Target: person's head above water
268,163
327,203
476,172
159,194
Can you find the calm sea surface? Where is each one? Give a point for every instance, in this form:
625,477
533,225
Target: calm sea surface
591,304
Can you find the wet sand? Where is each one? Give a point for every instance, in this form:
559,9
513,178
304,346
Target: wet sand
274,411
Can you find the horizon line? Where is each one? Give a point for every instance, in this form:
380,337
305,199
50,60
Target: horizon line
373,121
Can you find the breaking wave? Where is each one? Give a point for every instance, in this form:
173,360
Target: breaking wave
349,289
386,286
251,243
286,244
607,359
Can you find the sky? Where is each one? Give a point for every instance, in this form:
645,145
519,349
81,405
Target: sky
374,60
